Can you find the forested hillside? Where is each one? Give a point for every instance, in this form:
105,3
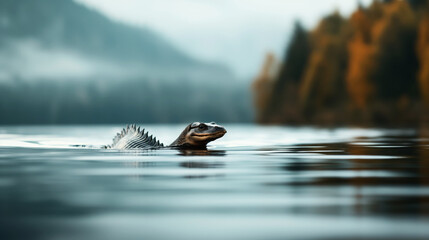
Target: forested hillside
371,68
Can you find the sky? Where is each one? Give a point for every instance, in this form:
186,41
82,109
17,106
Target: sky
237,33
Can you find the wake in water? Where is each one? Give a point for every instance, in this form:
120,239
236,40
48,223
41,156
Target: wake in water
95,137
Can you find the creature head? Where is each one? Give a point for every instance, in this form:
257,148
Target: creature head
197,135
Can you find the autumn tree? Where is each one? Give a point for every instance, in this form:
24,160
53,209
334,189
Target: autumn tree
322,85
423,55
361,54
284,95
396,61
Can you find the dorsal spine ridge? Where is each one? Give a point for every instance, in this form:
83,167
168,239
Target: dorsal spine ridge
136,131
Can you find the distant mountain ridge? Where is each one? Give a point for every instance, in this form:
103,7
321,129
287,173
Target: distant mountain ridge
63,63
65,24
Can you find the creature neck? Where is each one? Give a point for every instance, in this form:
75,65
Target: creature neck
181,140
182,143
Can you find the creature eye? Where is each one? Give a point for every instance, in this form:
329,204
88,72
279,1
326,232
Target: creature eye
195,124
202,126
213,123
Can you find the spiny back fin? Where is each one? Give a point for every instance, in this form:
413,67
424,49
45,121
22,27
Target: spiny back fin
132,137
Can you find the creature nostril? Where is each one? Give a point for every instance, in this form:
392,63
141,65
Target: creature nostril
220,129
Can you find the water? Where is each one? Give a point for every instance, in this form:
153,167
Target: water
255,183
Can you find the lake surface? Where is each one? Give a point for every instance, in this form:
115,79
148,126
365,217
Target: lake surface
254,183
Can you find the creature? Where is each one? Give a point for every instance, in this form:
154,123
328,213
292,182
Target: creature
195,136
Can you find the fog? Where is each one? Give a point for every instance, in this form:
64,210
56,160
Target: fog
237,32
61,62
31,60
28,60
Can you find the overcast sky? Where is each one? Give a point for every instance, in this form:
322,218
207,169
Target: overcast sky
237,33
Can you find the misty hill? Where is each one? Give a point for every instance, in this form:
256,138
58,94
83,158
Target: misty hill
61,62
72,33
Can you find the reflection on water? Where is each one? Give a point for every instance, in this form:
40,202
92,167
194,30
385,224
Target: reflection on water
197,152
255,183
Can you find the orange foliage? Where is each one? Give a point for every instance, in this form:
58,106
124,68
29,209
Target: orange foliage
375,61
322,78
423,54
380,26
361,64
